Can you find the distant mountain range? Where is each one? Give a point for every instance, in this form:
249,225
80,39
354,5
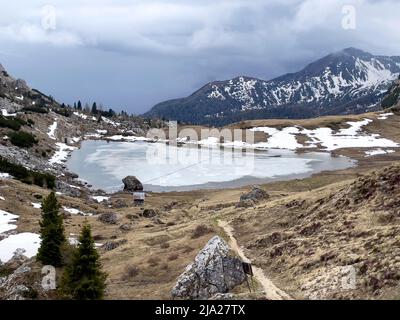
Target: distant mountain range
345,82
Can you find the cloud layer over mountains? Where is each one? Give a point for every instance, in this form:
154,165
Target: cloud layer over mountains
133,55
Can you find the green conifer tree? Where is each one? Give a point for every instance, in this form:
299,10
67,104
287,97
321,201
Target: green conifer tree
94,108
83,278
51,232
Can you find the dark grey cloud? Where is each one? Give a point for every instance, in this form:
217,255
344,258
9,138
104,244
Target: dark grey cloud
131,56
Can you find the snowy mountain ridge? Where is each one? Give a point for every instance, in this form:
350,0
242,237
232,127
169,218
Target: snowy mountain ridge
348,81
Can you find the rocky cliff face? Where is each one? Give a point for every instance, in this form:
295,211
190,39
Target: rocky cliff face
392,98
15,94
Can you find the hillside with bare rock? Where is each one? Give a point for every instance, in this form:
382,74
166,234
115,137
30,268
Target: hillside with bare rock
311,242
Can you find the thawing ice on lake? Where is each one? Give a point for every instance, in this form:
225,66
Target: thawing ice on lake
167,167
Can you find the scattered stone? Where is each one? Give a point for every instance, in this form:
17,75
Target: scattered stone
108,217
149,213
214,271
111,245
119,204
131,216
157,220
245,204
223,296
170,205
126,227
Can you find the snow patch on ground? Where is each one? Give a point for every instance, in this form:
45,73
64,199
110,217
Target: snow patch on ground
36,205
351,137
76,211
28,242
113,123
384,116
7,221
52,130
126,138
84,116
73,241
100,198
4,175
93,135
5,113
376,152
279,139
62,153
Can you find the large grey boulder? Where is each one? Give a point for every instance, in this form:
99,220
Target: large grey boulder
108,217
131,183
249,199
255,194
213,271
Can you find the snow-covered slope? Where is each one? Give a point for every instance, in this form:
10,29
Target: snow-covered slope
349,81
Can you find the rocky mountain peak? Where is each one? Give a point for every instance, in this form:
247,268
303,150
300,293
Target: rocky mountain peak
348,81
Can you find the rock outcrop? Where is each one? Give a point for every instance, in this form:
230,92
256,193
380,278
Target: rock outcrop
149,213
132,184
67,189
214,271
109,218
13,284
252,197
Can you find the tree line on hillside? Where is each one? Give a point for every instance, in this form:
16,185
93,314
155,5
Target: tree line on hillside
82,277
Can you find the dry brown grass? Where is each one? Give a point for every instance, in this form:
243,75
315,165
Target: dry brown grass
162,252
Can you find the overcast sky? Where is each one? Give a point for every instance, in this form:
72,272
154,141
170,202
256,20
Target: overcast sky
133,54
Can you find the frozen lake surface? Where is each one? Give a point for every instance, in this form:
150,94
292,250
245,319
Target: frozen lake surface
162,167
